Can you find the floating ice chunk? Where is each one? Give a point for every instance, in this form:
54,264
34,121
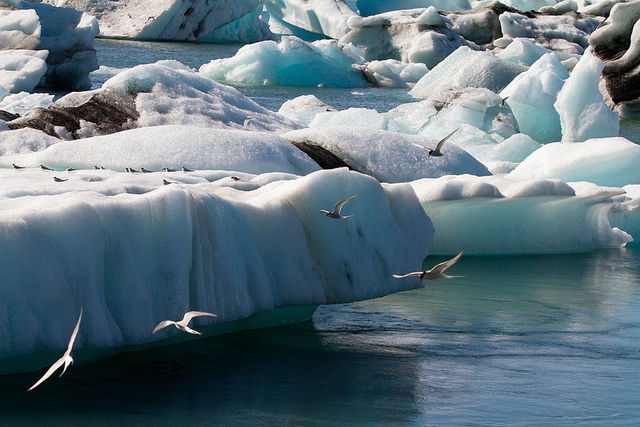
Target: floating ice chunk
583,113
173,147
387,156
21,70
304,108
23,102
625,214
498,215
565,6
563,33
174,19
323,17
466,68
179,247
392,73
415,35
291,62
603,161
19,29
531,97
598,7
523,52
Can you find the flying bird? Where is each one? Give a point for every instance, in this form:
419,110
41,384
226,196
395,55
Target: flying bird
503,101
182,324
436,151
437,272
337,208
66,358
246,121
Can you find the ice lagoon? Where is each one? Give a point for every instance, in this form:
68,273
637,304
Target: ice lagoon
433,340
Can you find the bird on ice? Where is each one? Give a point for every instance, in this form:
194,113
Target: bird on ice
65,360
437,272
182,324
337,208
436,151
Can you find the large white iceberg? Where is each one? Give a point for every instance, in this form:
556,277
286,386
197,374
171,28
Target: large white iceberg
132,252
322,17
291,62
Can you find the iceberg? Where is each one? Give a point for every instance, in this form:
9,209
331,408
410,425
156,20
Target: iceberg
387,156
65,33
322,17
164,93
603,161
392,73
583,112
291,62
616,43
180,20
531,97
304,108
23,102
375,7
21,70
506,215
132,253
466,68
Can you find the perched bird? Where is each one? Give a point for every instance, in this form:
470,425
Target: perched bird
235,178
168,170
130,170
337,208
70,169
44,168
436,151
182,324
16,166
65,360
437,272
56,179
98,168
186,169
143,170
165,182
246,121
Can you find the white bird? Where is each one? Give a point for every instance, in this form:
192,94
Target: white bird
337,208
182,324
436,151
437,272
66,358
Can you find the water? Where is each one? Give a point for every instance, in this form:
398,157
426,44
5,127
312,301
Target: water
537,340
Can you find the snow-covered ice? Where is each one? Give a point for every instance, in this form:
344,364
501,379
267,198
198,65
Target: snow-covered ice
322,17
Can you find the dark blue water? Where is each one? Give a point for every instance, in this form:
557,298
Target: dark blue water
539,340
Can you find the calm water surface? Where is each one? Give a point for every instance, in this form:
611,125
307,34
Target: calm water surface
539,340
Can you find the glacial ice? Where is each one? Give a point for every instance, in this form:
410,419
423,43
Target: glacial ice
304,108
323,17
375,7
603,161
466,68
583,113
505,215
21,70
132,252
19,29
175,19
392,73
290,62
23,102
531,97
388,156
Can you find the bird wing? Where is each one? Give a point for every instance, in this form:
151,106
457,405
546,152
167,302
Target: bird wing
340,204
162,324
441,142
75,333
191,314
49,372
420,146
440,268
415,273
